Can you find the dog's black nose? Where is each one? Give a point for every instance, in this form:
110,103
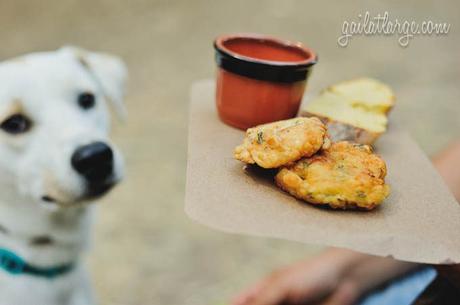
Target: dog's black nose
93,161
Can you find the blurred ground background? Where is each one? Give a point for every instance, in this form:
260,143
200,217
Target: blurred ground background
146,251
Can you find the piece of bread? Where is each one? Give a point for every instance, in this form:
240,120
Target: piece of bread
354,110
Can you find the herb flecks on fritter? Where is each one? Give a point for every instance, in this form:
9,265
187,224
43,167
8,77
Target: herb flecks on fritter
275,144
343,176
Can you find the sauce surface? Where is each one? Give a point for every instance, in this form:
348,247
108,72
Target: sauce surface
266,50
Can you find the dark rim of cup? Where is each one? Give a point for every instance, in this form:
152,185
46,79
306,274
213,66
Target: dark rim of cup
262,69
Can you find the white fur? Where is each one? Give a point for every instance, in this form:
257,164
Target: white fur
45,86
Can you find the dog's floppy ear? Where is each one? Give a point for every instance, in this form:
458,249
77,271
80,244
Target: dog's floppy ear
109,73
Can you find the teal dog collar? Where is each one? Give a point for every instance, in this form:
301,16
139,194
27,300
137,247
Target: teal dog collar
13,264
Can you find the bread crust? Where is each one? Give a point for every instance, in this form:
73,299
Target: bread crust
339,131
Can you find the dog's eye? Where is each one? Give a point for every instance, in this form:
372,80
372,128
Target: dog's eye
16,124
86,100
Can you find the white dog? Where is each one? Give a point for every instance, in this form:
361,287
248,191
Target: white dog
55,156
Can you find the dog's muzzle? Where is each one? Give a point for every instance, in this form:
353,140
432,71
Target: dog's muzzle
95,163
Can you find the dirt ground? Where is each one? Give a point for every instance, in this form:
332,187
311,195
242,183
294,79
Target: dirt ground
145,250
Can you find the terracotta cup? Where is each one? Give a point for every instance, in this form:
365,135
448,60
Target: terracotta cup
260,78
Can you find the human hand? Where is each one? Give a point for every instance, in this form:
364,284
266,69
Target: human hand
322,280
336,277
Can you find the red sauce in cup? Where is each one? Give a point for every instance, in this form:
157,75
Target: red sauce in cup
265,49
260,79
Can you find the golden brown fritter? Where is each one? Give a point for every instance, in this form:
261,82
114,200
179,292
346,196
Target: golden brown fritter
343,176
279,143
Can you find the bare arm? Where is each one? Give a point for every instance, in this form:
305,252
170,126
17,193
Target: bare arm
448,165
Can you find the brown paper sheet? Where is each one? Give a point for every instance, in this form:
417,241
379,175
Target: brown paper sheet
418,222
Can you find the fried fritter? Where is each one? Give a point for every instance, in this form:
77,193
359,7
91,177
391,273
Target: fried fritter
279,143
343,176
